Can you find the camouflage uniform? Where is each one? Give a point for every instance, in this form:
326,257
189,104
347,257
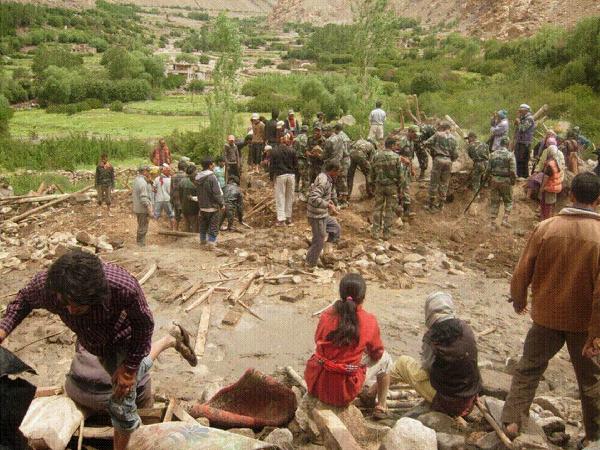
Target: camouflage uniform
444,151
361,154
426,132
503,170
387,175
176,181
234,205
334,152
407,149
480,154
303,175
315,162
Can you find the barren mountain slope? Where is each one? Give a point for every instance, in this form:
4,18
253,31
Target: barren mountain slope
501,18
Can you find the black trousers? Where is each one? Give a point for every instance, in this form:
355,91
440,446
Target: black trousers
522,152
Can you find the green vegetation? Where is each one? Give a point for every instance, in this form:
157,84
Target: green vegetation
25,183
186,105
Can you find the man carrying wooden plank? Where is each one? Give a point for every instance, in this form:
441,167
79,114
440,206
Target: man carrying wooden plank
105,307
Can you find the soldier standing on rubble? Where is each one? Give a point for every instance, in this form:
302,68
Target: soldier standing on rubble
407,147
480,155
502,168
444,152
426,132
314,153
361,155
303,175
387,177
106,308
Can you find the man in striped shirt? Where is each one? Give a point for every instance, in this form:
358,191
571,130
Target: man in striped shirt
106,308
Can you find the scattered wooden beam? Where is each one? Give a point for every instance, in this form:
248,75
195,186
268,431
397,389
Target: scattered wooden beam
26,214
540,112
31,199
247,308
48,391
178,293
169,413
177,233
195,288
487,331
202,331
148,274
296,378
244,285
333,431
501,435
201,299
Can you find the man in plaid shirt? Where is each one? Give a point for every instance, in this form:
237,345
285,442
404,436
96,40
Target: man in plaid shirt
106,308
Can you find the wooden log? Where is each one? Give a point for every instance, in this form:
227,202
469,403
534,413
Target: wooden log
58,188
178,293
540,112
501,435
258,210
177,233
333,431
412,116
456,127
41,189
202,331
148,274
402,126
417,109
103,433
169,413
243,285
31,199
26,214
201,299
296,378
183,415
195,287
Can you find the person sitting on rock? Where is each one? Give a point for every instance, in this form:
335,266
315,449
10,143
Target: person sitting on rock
349,355
89,385
448,375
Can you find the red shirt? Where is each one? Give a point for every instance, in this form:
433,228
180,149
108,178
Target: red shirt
335,387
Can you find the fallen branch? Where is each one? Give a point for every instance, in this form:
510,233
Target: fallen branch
264,206
244,285
503,437
26,214
31,199
296,378
148,274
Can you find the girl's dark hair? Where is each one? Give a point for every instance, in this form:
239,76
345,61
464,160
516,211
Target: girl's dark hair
79,276
352,293
446,332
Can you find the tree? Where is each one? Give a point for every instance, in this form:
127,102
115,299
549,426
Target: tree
121,64
375,32
6,113
47,56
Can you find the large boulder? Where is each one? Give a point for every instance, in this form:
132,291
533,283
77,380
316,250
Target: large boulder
438,422
450,441
495,383
409,434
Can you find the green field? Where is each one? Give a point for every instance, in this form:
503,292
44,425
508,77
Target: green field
184,105
100,122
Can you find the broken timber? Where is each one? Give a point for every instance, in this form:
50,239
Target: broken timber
202,331
148,274
296,378
177,233
333,431
26,214
202,298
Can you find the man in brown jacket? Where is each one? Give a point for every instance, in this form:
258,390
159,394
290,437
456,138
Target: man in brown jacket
561,262
257,146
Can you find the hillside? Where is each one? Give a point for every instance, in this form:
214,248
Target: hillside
498,18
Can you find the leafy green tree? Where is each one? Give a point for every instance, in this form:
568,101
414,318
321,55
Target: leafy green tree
425,82
121,64
6,113
47,56
155,67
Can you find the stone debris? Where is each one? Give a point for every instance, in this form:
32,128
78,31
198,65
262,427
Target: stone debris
409,434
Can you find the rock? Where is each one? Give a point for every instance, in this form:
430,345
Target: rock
489,442
116,243
357,251
551,425
446,264
382,259
296,279
243,432
82,198
560,407
409,434
362,263
83,237
104,246
292,298
60,250
495,383
210,389
419,410
243,254
5,210
560,438
413,258
281,437
495,407
438,421
24,255
414,270
529,442
333,431
450,441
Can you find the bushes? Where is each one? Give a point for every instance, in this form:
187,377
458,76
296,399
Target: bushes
263,62
116,106
6,113
74,108
173,82
425,82
46,56
204,59
196,86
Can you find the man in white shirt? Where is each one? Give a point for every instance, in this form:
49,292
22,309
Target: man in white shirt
162,196
377,120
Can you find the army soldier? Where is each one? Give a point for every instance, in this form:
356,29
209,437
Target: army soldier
361,155
300,147
443,148
503,171
480,155
333,152
406,149
320,121
342,179
314,153
387,177
426,132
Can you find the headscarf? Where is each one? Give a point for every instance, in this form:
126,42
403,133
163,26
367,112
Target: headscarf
559,157
503,114
438,307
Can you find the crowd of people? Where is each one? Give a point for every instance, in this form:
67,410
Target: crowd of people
106,308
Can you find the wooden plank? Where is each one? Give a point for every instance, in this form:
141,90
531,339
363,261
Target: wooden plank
48,391
148,274
297,378
169,413
195,287
26,214
97,433
243,286
201,299
178,293
202,331
333,431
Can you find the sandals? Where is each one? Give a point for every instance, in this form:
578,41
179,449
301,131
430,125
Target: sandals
380,414
183,344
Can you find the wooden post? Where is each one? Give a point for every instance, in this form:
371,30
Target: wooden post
202,330
169,413
26,214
